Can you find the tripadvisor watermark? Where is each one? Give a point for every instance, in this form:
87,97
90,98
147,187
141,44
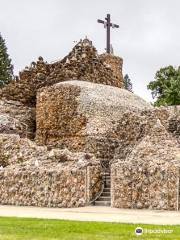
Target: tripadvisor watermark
139,231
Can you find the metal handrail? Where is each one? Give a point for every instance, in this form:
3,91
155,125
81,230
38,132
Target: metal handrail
99,194
103,167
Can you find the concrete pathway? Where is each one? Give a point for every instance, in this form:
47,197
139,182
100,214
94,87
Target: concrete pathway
94,213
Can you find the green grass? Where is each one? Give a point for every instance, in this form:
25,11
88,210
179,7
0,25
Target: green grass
39,229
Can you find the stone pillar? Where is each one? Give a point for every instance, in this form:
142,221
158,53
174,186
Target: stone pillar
116,65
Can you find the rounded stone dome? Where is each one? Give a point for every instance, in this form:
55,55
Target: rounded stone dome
84,116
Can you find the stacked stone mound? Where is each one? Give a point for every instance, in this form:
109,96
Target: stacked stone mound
101,126
149,176
100,123
169,117
174,126
84,64
81,63
34,176
174,121
84,116
15,150
123,131
25,87
17,118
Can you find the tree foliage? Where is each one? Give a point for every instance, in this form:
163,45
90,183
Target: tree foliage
166,87
6,68
127,83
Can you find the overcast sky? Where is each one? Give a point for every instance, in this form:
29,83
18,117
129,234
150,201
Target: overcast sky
148,37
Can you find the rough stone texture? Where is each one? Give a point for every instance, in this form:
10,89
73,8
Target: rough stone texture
174,126
84,116
140,143
170,119
33,176
149,176
83,126
17,118
45,186
29,80
115,63
82,63
14,149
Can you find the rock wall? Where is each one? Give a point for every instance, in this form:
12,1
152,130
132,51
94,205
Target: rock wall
149,176
25,87
47,186
144,186
35,176
15,150
174,126
174,121
170,118
15,118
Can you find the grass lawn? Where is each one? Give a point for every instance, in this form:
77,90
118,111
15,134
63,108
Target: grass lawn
39,229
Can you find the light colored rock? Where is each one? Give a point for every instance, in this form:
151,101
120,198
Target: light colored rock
84,116
155,186
17,118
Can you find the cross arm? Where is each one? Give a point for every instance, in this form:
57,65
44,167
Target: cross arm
114,25
100,21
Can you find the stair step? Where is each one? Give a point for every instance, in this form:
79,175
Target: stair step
102,203
106,194
104,199
108,182
107,190
107,185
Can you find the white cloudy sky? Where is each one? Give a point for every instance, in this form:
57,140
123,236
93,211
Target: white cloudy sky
148,37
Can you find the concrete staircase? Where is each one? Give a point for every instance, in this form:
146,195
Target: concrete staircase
105,197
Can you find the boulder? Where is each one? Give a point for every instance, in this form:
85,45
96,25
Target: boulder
84,116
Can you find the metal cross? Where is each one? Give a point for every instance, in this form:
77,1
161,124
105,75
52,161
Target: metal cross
108,25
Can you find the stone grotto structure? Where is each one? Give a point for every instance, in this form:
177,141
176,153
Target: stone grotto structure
71,136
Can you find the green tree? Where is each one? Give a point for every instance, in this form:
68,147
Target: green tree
127,83
6,68
166,87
